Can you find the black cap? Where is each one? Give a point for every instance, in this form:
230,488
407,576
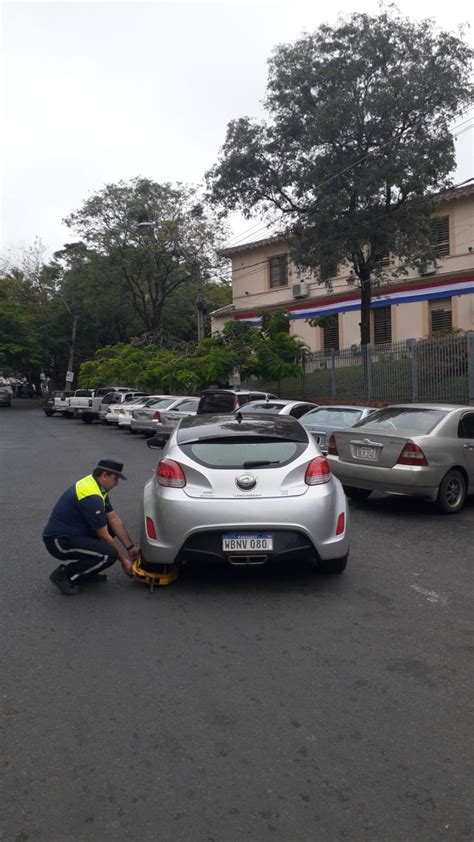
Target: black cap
112,467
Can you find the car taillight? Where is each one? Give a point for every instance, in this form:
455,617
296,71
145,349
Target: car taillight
341,522
170,474
90,402
332,446
318,471
150,528
157,415
412,454
235,405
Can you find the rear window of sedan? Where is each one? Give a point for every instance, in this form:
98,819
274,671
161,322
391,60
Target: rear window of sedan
261,407
243,453
403,420
331,416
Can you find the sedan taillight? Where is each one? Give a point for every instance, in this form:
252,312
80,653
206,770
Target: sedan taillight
170,474
332,446
157,415
318,471
412,454
150,529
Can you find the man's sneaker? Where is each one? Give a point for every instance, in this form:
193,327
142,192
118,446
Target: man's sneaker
93,577
63,582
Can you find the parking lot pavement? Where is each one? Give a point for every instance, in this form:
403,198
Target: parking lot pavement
234,705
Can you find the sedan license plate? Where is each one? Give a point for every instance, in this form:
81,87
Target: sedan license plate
237,542
366,453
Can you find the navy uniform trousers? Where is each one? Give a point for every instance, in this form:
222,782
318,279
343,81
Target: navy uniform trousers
81,554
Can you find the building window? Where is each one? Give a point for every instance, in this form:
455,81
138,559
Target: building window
382,325
441,316
440,241
278,267
331,333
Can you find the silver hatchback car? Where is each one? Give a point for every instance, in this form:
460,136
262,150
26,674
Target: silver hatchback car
424,450
243,492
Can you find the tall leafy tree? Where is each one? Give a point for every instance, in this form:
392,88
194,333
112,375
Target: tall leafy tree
356,142
157,238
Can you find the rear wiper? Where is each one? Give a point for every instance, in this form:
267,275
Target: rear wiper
259,463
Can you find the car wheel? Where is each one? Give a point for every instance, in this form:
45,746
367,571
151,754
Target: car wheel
333,565
87,419
48,413
357,494
451,493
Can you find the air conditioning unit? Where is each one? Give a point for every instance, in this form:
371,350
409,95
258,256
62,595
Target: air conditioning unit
300,290
429,268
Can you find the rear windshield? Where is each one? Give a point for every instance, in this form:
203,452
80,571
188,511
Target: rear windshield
262,407
243,453
83,393
217,402
403,420
161,404
331,416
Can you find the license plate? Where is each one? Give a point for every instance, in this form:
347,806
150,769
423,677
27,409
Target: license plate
236,542
366,453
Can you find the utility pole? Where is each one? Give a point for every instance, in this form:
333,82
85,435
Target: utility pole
69,373
200,307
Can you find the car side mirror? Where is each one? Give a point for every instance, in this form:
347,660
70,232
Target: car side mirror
156,442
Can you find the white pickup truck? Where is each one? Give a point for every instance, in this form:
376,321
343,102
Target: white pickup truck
87,408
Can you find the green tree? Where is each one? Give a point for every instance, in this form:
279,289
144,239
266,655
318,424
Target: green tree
356,143
20,349
156,238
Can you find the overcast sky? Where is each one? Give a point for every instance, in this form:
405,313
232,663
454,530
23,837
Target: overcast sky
96,92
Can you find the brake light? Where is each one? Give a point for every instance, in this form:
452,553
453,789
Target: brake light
170,474
412,454
150,528
318,471
90,401
235,405
332,446
341,522
157,415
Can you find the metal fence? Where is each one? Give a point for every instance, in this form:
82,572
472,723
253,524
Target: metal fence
424,370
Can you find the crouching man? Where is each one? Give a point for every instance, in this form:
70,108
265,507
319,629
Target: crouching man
81,528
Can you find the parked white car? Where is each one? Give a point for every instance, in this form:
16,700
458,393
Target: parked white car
114,399
126,410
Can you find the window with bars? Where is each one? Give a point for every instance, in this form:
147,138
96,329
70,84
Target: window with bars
440,235
441,315
382,325
331,333
278,270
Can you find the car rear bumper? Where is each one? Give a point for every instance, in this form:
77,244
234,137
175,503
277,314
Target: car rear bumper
192,528
142,425
401,479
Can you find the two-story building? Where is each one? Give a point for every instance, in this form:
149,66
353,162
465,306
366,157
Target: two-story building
412,306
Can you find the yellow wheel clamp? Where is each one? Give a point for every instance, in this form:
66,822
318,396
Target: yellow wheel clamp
154,578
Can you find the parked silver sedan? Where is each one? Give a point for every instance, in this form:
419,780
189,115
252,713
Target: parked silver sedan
243,492
277,407
425,450
170,418
146,418
324,420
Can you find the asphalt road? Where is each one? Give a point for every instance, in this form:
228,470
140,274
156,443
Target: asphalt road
259,705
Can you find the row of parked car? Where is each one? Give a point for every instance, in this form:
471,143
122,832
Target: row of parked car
417,449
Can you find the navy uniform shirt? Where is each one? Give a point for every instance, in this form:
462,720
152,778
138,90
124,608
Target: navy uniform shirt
81,510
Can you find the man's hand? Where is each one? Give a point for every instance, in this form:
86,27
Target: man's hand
127,567
133,553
